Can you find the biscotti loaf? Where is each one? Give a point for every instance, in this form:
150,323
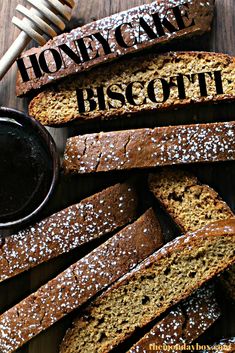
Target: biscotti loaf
93,217
183,324
145,148
227,345
191,205
137,85
166,277
112,37
80,282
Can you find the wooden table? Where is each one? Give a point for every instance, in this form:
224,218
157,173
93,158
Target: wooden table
220,176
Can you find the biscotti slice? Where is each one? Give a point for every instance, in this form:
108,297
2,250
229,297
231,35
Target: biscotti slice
145,148
166,277
227,345
92,218
190,203
183,324
107,39
80,282
142,84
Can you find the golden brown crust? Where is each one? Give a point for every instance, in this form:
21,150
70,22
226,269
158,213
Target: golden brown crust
162,280
201,12
183,324
80,282
68,229
147,148
190,203
189,240
173,70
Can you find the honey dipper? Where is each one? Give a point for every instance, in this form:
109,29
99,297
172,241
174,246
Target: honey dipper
45,17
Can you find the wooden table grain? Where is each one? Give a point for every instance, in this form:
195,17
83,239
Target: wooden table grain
221,175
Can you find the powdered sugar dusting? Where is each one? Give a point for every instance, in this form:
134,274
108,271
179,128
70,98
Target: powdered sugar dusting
169,275
134,36
225,227
78,283
184,323
145,148
68,229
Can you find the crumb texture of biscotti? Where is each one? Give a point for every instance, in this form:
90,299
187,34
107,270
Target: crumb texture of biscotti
190,203
136,85
80,282
93,217
113,37
146,148
162,280
183,324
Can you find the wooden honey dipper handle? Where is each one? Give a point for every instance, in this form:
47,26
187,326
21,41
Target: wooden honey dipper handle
44,18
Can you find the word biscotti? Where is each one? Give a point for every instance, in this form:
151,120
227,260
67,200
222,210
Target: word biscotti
162,280
112,37
68,229
138,84
145,148
80,282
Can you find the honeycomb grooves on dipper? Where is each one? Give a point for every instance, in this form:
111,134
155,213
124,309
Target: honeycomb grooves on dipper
44,18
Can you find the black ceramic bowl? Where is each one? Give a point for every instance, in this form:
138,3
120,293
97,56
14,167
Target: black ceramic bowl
29,168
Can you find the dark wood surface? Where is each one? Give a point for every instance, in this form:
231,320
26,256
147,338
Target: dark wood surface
221,176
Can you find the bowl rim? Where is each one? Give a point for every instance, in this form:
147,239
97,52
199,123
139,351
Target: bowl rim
50,146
